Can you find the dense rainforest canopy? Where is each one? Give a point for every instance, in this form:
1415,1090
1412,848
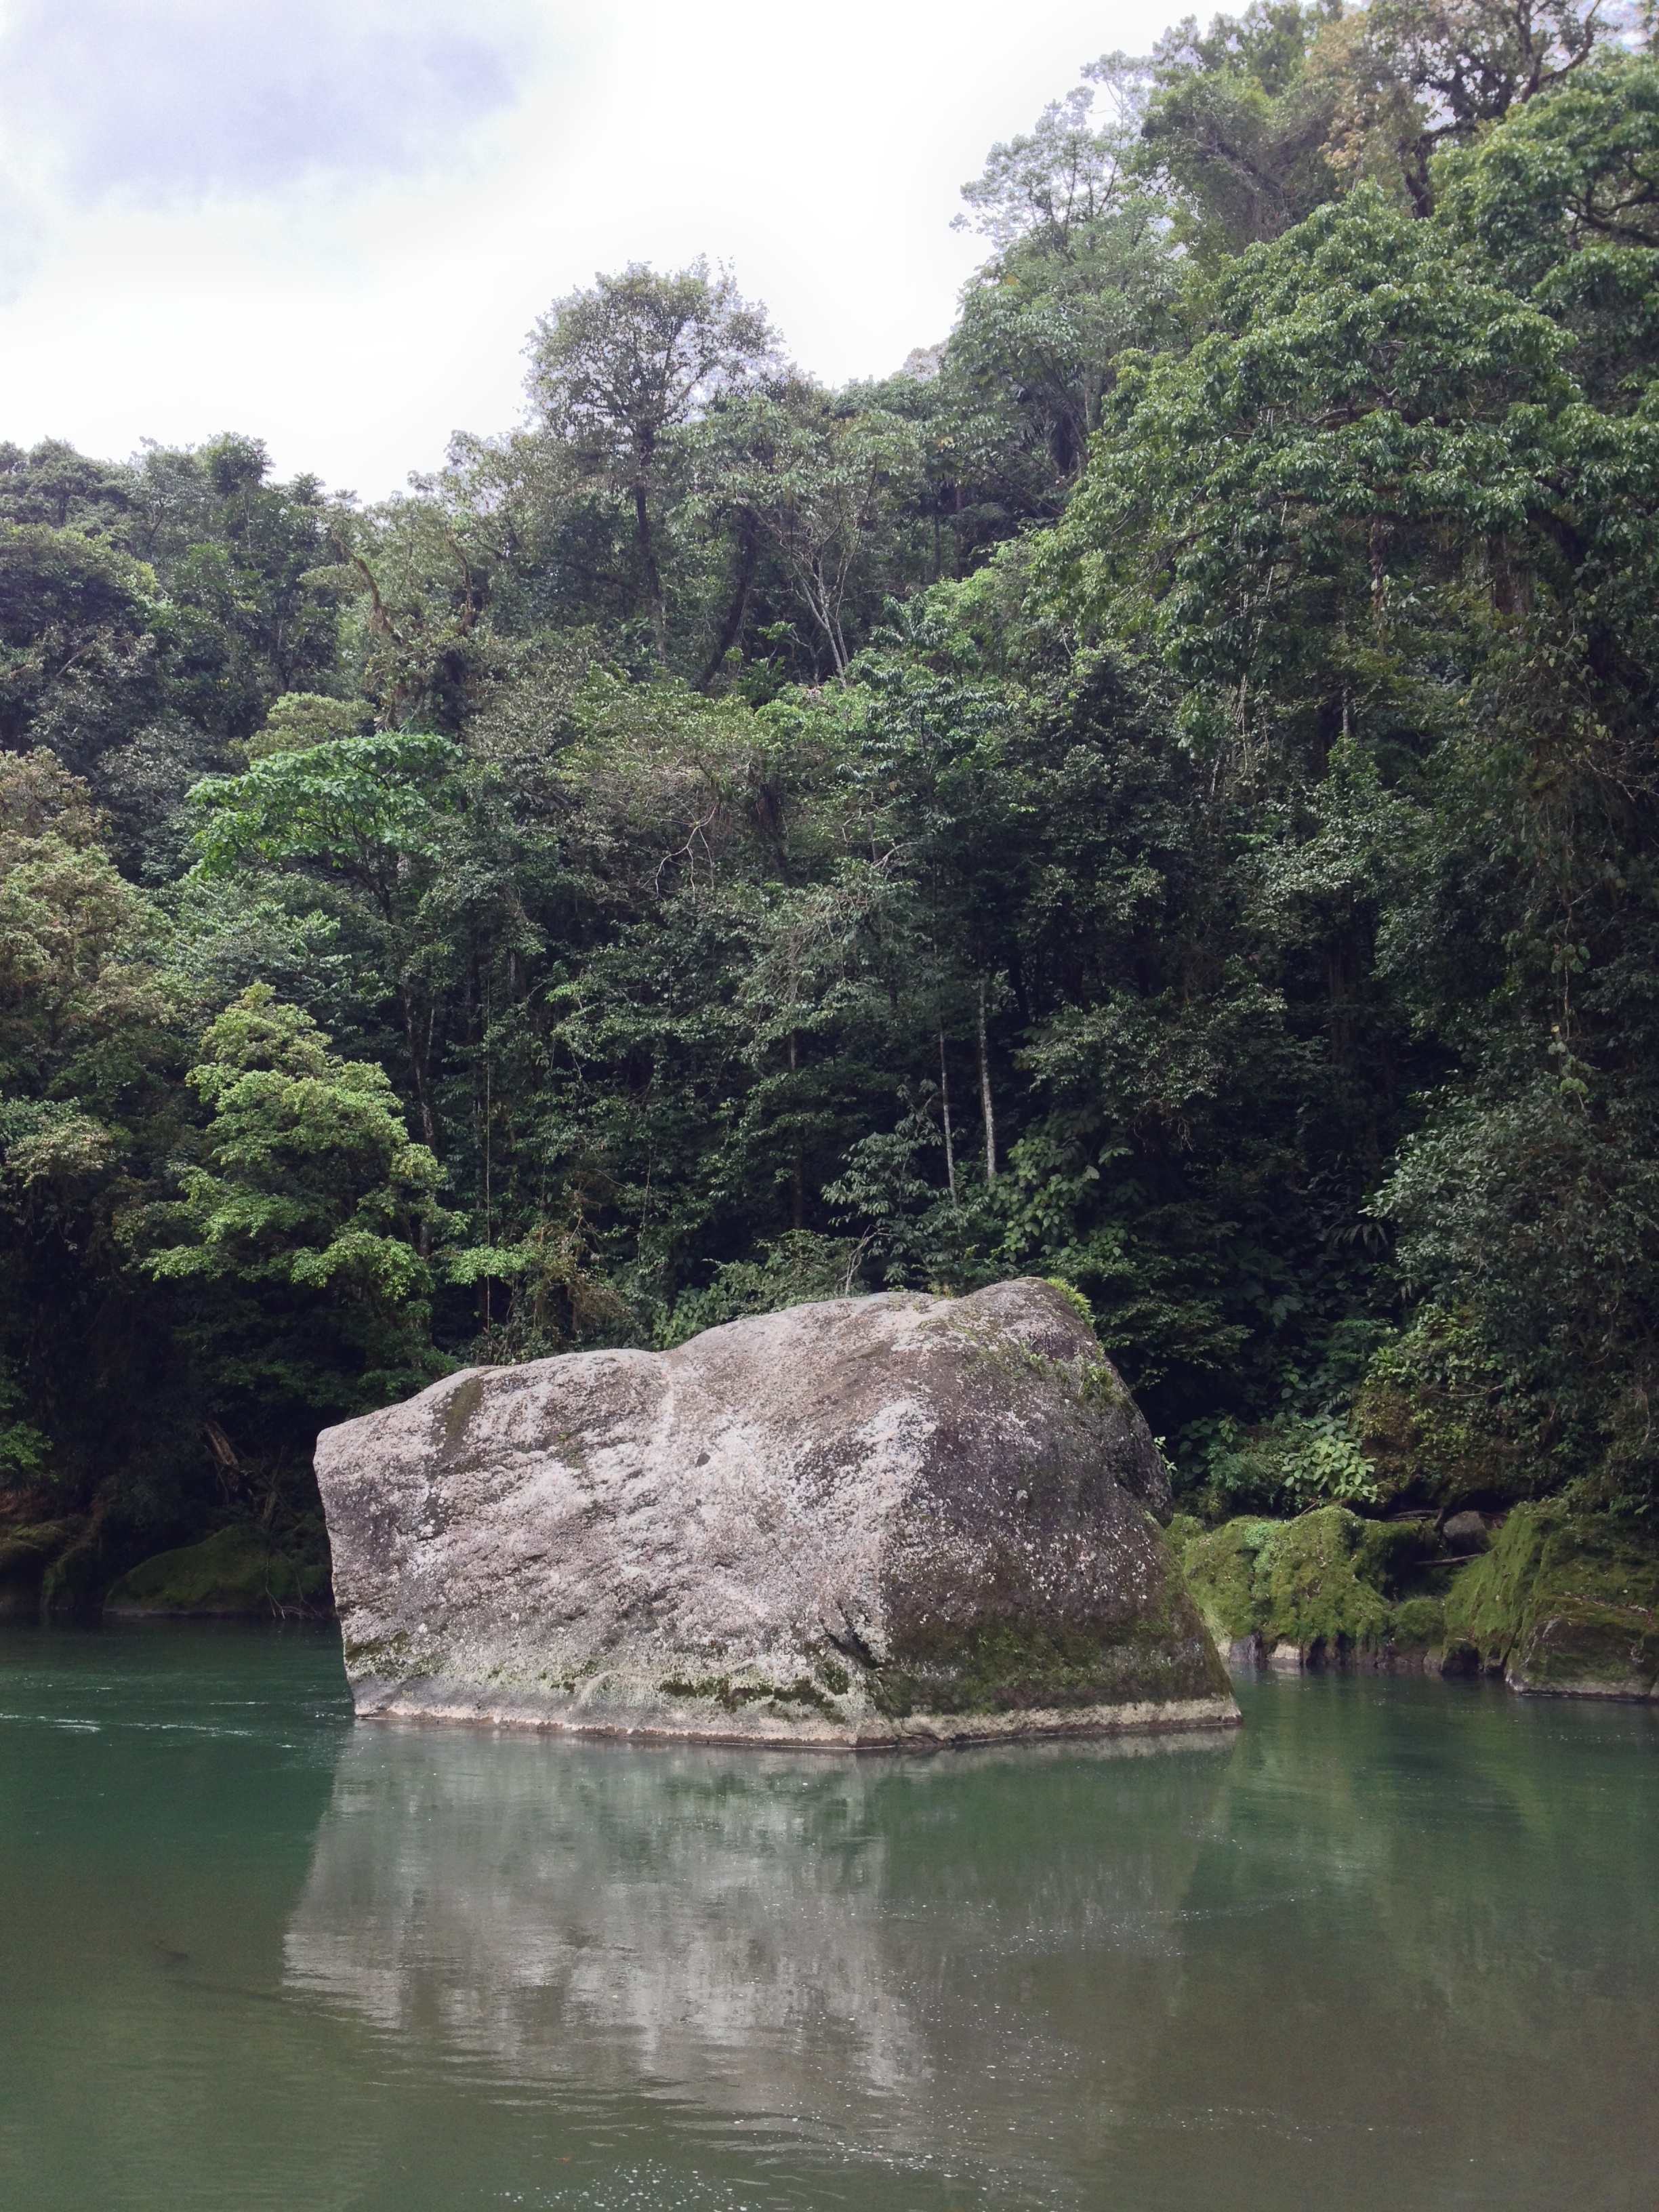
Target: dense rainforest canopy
1160,792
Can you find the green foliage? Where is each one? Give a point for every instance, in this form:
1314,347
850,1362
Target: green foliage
1237,125
797,1269
1159,794
25,1450
300,720
1446,1421
361,807
1075,1299
1288,1465
307,1224
1084,270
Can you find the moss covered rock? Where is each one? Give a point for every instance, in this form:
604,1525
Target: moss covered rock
866,1522
1417,1626
1220,1566
26,1555
234,1572
1318,1601
1564,1603
1303,1588
1329,1588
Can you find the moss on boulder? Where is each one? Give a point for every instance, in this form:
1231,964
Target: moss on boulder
1419,1626
1313,1591
1220,1566
868,1521
1564,1603
236,1571
1317,1598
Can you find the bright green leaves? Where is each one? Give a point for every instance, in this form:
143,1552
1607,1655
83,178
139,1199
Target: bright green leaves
1563,175
1372,440
1563,202
369,816
311,1198
82,1007
360,808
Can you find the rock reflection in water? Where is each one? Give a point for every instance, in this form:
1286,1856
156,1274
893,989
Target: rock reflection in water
888,1948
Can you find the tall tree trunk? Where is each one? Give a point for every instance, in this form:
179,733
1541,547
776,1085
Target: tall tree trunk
417,1064
738,613
985,1093
490,1215
648,570
798,1178
945,1100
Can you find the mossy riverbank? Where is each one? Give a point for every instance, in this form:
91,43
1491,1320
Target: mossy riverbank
1561,1603
63,1567
1556,1602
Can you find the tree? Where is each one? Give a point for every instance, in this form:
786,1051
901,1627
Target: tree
1363,413
88,1109
53,484
365,813
1192,728
306,1226
1564,202
1084,266
819,487
79,659
249,567
1236,126
422,585
1407,77
616,368
1047,187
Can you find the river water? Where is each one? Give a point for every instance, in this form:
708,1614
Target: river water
1394,1944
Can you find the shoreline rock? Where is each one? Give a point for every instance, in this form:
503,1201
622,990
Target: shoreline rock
236,1573
1560,1604
1564,1605
867,1524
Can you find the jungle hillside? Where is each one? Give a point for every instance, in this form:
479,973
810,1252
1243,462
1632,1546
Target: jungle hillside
1159,793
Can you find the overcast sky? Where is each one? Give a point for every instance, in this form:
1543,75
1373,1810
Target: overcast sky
330,223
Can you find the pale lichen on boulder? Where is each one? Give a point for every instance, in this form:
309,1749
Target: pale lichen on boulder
872,1522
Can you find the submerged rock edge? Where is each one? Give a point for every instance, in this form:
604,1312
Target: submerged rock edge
917,1732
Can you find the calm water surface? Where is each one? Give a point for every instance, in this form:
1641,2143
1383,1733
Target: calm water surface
1394,1945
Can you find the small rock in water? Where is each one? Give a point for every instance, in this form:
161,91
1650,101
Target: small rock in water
876,1521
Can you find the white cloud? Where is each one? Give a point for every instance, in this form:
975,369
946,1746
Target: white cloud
164,99
354,318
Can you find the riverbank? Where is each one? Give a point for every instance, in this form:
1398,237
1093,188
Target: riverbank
1551,1601
1554,1603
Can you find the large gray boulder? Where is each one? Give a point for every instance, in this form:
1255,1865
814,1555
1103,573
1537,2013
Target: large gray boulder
873,1521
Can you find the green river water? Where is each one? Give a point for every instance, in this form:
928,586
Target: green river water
1395,1944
